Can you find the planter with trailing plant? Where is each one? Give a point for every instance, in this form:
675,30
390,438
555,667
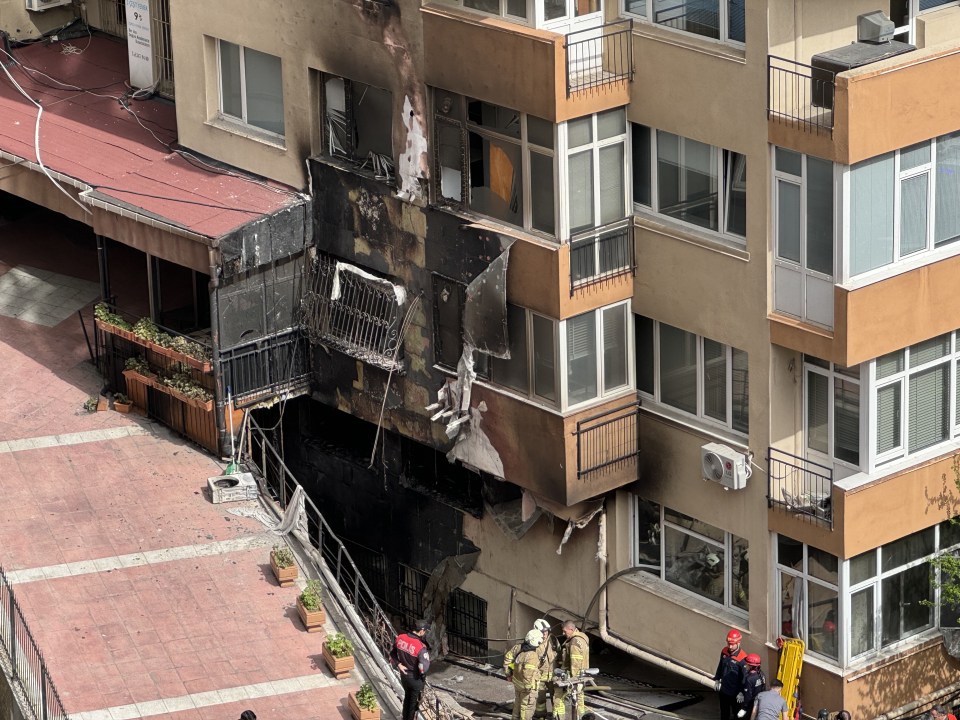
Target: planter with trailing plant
363,703
112,323
338,654
121,403
309,606
284,567
146,334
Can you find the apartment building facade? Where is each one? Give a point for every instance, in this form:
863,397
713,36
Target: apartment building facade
559,246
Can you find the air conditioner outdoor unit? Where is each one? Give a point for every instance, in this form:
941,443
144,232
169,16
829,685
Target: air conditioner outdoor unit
41,5
724,465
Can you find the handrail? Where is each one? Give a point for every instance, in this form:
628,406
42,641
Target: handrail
597,60
337,560
26,666
608,439
799,486
800,95
601,254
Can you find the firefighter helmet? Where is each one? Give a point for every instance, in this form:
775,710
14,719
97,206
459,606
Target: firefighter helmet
753,659
534,638
734,637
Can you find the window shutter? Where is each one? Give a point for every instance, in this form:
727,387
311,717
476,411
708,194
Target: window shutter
929,413
888,418
817,412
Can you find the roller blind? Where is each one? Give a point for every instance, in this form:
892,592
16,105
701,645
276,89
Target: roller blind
929,412
888,418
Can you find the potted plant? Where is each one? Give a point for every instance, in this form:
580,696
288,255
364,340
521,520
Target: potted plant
284,568
363,703
121,403
91,404
309,607
181,385
111,322
338,654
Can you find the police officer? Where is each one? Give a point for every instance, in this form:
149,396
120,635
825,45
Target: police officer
574,659
548,661
730,674
411,656
754,683
526,676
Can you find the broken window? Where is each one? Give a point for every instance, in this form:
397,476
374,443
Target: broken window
358,124
448,303
356,312
495,161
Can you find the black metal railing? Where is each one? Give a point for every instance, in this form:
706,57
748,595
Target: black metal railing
601,255
800,95
269,366
281,484
608,441
800,487
27,668
599,56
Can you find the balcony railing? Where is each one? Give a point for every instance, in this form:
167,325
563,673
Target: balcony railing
800,487
599,56
608,441
23,661
800,95
601,254
269,366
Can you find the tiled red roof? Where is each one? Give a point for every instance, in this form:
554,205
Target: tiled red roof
94,140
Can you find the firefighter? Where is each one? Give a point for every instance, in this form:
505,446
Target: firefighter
548,661
574,659
526,676
754,683
730,674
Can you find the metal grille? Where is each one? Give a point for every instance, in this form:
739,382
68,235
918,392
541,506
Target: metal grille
412,582
800,95
162,47
601,255
355,314
608,441
269,366
599,56
113,17
23,660
467,624
799,486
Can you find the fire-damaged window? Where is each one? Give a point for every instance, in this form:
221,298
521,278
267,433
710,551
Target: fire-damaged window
495,161
356,312
448,300
358,124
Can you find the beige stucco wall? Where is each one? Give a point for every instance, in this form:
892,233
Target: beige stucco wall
25,25
336,37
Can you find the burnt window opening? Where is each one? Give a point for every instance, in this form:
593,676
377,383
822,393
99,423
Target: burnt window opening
356,312
358,124
448,301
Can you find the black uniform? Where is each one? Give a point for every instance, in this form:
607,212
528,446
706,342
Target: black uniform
411,655
754,683
730,672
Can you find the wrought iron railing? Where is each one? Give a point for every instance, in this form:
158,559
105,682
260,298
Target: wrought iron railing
282,484
599,56
608,441
26,667
355,312
800,95
799,486
601,255
269,366
162,47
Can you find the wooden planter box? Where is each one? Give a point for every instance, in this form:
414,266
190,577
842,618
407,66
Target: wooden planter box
205,405
312,621
122,407
202,365
137,385
358,713
340,667
119,332
285,576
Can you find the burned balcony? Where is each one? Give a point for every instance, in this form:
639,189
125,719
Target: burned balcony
800,487
608,442
356,312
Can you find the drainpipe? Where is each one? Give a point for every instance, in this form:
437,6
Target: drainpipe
684,671
218,393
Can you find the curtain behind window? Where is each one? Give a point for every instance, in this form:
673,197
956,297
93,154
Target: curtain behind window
948,189
871,214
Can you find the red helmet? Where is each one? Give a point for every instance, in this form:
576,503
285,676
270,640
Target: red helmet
734,636
753,659
830,626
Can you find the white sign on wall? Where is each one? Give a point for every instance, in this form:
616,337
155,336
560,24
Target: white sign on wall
139,44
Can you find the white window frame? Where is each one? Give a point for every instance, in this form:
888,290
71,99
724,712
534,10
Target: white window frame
243,91
599,348
531,393
832,376
535,13
910,29
804,577
594,147
700,415
723,11
726,546
718,156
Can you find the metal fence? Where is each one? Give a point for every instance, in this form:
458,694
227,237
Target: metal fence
602,255
28,670
269,366
608,441
800,487
162,47
113,17
282,484
599,56
800,95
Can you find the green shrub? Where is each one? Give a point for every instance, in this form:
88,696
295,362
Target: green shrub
138,364
101,312
121,399
91,403
282,556
312,595
366,698
339,645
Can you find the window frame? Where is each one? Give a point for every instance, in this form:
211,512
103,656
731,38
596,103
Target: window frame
727,546
350,120
832,375
243,119
804,576
720,158
700,415
723,31
535,13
